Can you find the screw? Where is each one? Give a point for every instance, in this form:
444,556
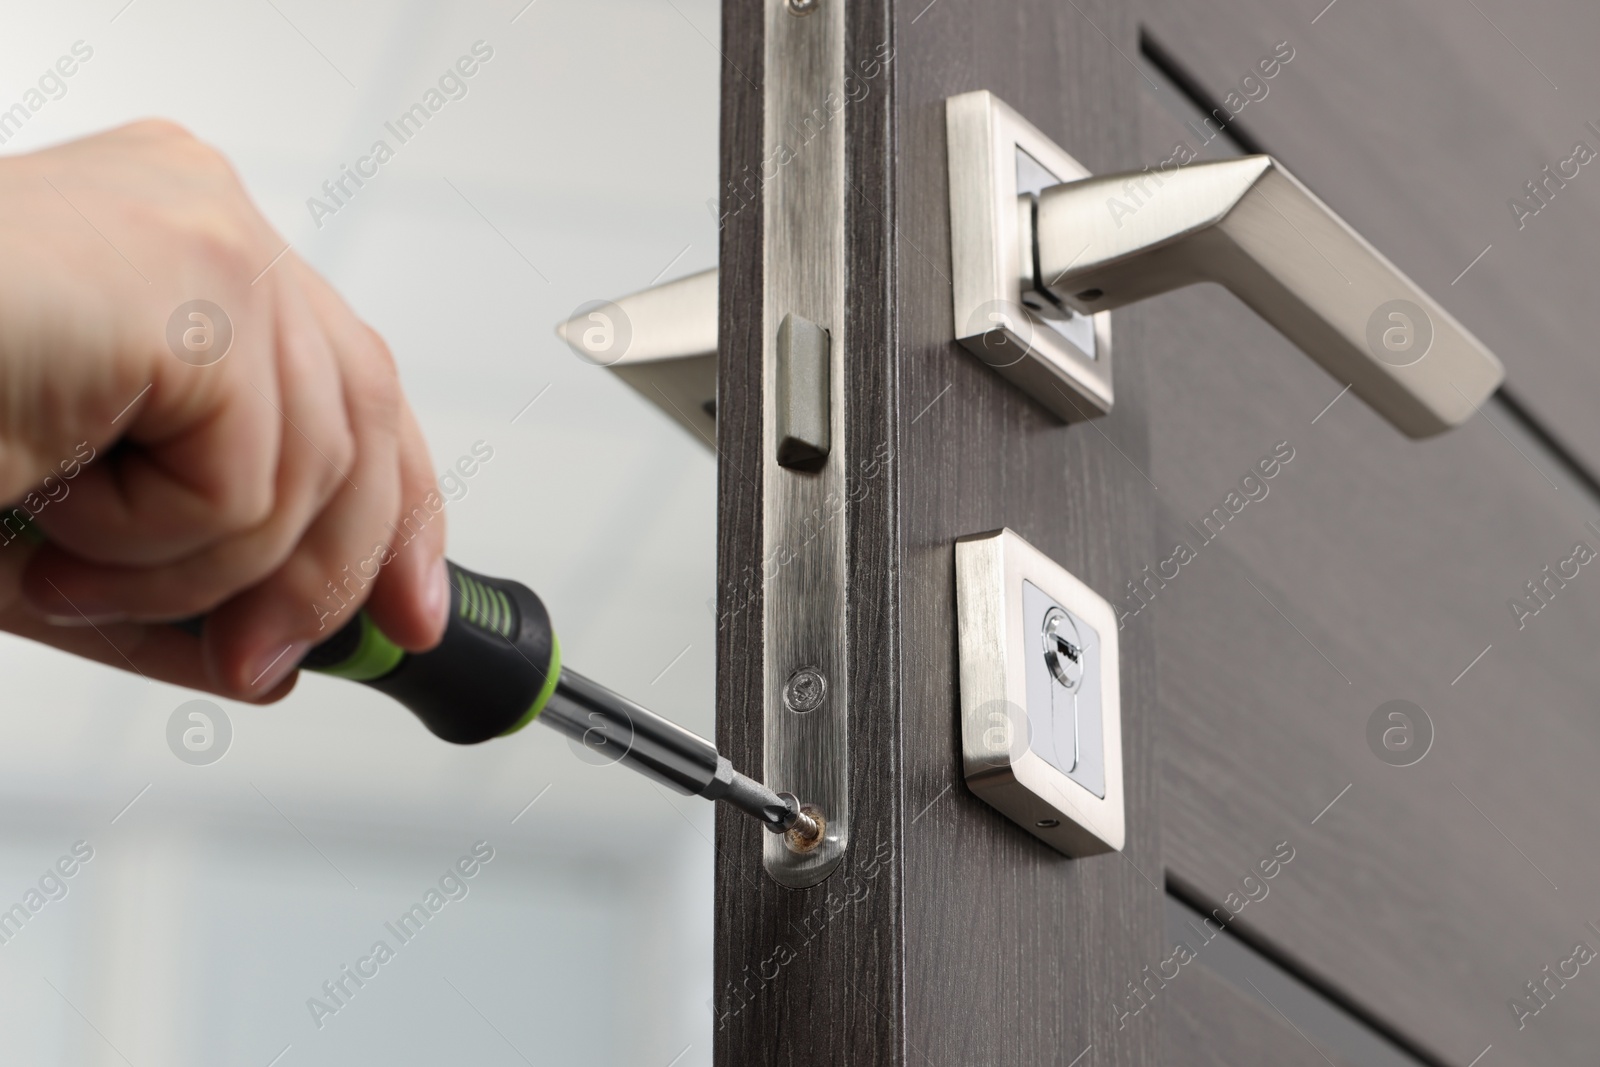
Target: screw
805,690
802,7
808,832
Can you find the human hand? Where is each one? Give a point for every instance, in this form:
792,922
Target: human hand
241,486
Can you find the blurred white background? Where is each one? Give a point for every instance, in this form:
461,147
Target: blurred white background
578,166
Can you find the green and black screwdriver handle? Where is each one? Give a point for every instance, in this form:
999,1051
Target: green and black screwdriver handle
499,668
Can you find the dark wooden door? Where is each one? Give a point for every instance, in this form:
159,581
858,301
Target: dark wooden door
1429,896
1409,906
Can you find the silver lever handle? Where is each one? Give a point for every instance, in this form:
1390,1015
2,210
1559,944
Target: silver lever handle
1251,226
662,341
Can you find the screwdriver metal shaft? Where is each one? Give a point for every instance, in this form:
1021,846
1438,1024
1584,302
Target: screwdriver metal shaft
617,730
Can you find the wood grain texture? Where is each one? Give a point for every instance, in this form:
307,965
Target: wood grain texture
1417,122
813,976
743,1010
1374,569
1014,955
953,936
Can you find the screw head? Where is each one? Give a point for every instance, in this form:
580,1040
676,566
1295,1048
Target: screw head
1063,648
809,833
805,690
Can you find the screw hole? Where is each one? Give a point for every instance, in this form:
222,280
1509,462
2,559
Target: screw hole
1091,294
1046,824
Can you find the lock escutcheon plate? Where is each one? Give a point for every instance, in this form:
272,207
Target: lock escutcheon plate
1057,773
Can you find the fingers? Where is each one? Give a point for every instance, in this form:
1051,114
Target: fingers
266,470
412,596
154,651
222,448
352,546
159,653
310,398
179,358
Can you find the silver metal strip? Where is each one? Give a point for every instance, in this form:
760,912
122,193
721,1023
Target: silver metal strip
806,745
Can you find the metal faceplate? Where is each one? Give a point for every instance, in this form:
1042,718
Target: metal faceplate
804,677
1057,356
1041,711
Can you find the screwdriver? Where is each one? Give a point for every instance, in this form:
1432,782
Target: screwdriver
499,668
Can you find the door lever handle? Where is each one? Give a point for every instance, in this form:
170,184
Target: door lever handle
1027,259
1248,224
662,341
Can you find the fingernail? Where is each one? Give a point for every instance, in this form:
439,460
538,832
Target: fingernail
274,665
107,619
438,603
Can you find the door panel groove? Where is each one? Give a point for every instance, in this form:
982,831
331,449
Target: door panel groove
1186,85
1555,449
1193,906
